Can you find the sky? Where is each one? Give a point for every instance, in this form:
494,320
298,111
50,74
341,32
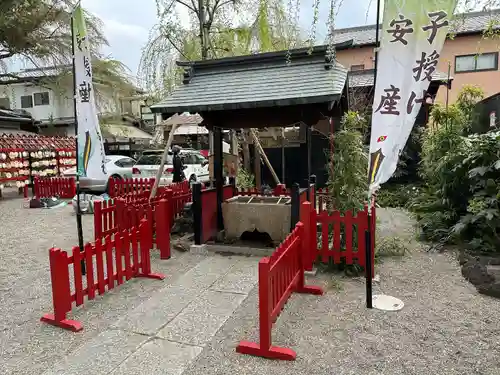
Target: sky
127,23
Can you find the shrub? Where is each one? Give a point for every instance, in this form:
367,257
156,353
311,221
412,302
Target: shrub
460,199
244,179
347,180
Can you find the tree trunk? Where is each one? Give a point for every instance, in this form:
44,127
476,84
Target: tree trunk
257,170
246,150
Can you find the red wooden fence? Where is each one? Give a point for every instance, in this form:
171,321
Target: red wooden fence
140,188
158,217
114,216
62,187
342,237
113,262
105,219
280,275
133,186
322,197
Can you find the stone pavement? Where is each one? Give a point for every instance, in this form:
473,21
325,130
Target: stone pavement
166,333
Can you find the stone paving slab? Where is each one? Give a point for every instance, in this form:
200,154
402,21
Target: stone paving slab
165,333
159,357
241,279
100,355
166,303
206,272
200,321
153,314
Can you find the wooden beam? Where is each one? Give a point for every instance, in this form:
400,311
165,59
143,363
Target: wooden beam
264,156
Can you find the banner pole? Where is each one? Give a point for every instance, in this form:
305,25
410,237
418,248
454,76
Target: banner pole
368,236
79,226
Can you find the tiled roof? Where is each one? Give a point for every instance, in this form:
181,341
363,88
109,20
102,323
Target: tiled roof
463,24
248,82
37,73
364,78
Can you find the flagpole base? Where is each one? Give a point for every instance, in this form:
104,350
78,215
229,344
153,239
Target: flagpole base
387,303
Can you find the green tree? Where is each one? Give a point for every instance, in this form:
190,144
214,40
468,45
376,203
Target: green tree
39,33
347,186
266,28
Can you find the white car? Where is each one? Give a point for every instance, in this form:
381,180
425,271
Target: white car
195,166
117,166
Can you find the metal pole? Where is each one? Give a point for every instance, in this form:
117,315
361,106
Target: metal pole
368,264
377,45
79,226
368,233
283,156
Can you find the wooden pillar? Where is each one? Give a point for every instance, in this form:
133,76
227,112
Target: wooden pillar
196,208
218,173
295,205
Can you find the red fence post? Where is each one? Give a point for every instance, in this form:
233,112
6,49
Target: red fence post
146,243
173,203
373,229
72,187
97,220
305,218
163,217
301,287
61,294
279,276
111,187
36,184
264,348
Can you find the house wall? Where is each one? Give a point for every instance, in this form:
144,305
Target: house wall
489,81
60,101
60,105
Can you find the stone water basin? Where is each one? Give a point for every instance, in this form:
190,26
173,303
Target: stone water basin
262,213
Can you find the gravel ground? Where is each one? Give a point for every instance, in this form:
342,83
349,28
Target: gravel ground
445,327
28,346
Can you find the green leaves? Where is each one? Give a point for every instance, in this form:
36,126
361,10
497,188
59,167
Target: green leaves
261,26
478,171
39,30
462,174
347,182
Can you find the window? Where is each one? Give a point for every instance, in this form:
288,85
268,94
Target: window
476,63
125,162
188,159
355,68
27,101
200,159
41,98
153,159
5,103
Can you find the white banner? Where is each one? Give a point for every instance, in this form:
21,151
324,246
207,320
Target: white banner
412,37
91,156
